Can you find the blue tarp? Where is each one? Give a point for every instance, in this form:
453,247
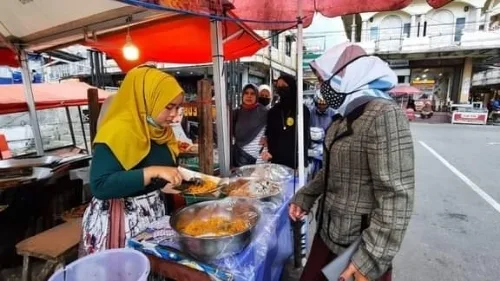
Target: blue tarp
262,260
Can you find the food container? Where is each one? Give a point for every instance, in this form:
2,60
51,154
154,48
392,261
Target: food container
212,246
249,187
189,175
272,172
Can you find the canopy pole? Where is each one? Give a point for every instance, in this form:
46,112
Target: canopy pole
30,100
219,76
300,99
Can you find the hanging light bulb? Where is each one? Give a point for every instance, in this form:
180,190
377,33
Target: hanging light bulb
130,50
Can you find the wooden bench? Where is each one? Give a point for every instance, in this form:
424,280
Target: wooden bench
53,246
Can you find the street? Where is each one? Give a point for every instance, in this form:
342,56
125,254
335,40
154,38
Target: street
454,233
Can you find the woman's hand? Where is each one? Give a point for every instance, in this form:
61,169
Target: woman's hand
295,212
353,272
266,156
263,142
170,174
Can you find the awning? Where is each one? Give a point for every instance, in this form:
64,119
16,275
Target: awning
401,90
178,39
287,11
12,98
282,14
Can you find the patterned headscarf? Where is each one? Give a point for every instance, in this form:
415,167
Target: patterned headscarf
359,75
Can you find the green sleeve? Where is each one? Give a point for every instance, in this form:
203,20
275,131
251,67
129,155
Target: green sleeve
108,179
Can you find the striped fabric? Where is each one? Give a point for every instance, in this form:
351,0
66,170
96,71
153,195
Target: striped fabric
253,148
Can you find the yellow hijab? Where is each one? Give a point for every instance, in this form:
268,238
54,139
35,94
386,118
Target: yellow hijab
145,91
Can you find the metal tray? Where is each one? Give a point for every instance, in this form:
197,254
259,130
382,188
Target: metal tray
42,161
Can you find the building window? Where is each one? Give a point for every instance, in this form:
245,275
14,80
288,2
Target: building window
481,27
424,30
459,28
374,33
275,36
288,46
401,79
407,30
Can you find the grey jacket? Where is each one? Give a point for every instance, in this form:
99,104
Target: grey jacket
370,178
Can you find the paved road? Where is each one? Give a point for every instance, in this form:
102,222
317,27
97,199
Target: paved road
455,233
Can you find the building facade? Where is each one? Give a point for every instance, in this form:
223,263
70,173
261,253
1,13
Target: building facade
436,50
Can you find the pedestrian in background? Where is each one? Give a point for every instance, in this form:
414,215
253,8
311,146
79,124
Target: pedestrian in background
265,96
249,127
367,183
281,132
321,114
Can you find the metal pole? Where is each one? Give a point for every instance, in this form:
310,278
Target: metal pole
70,122
220,96
30,100
300,101
83,131
271,65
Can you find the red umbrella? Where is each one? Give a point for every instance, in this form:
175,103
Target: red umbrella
401,90
282,14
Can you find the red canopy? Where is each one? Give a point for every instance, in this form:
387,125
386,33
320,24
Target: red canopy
47,96
264,12
401,90
8,57
285,10
179,39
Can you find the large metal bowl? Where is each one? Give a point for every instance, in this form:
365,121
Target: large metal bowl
212,248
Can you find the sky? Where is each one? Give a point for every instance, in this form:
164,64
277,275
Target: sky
324,32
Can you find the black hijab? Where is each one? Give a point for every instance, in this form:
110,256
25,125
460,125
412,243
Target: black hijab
249,122
288,99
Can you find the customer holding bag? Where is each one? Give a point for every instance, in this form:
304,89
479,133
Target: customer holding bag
367,184
249,127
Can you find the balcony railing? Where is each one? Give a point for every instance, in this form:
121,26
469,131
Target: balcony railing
468,40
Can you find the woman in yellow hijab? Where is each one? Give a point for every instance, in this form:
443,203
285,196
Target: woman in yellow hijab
134,147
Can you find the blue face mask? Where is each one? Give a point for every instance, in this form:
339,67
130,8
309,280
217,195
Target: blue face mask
152,122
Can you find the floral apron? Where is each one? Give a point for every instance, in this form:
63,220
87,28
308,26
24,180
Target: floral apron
108,223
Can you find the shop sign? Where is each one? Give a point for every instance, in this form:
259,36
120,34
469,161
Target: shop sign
469,118
191,110
398,63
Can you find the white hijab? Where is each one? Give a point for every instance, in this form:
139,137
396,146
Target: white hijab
266,87
363,76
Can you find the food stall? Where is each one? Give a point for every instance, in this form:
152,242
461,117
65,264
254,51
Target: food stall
35,191
238,230
468,114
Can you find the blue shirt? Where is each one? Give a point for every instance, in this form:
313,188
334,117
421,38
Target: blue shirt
321,120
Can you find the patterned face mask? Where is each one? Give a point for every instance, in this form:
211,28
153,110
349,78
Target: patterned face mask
333,98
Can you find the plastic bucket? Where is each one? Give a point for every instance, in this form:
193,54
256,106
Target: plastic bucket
109,265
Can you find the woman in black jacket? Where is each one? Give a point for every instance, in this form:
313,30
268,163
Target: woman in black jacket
281,131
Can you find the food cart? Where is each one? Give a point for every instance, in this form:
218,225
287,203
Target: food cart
256,255
35,191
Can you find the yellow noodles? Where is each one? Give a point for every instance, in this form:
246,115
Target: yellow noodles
215,226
